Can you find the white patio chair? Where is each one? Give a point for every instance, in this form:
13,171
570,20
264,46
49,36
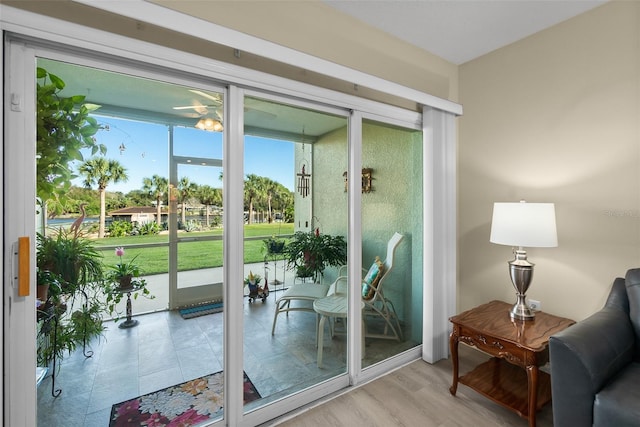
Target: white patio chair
376,304
304,292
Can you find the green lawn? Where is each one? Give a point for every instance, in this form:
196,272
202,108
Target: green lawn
191,255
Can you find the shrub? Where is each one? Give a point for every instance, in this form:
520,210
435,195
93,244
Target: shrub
191,225
120,228
148,228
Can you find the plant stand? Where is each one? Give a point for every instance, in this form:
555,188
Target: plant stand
274,283
85,353
129,322
47,318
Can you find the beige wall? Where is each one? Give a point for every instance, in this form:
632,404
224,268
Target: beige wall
554,118
312,27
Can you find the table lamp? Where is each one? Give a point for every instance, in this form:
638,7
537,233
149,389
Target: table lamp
520,225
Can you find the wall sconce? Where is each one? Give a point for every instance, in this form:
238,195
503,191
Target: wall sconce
367,180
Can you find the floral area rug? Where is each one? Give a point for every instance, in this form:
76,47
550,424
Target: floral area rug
187,404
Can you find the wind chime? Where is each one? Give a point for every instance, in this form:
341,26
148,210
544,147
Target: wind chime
303,182
304,178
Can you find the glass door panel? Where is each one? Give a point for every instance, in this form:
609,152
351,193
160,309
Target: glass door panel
196,206
294,158
146,126
392,200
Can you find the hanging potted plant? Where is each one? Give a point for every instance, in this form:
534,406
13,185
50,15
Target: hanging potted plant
273,246
64,127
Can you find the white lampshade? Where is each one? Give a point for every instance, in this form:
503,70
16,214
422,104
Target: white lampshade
524,224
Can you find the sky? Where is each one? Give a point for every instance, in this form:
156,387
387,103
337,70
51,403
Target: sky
142,148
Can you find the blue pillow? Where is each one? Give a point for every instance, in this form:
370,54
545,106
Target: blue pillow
370,281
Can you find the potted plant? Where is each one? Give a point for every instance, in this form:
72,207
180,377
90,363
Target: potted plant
44,281
255,290
310,253
252,279
71,267
72,258
64,127
123,278
123,273
273,246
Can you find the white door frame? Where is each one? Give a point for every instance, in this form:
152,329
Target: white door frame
19,220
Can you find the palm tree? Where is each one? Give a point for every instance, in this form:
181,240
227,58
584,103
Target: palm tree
273,190
254,191
186,190
282,197
208,196
99,172
156,186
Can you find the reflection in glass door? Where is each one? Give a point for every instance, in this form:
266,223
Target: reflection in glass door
195,205
195,231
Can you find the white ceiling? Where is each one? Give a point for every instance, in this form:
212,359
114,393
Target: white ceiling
462,30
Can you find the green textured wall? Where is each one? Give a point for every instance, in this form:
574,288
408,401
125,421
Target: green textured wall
395,204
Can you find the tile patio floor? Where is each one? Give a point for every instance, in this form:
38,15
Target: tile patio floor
165,349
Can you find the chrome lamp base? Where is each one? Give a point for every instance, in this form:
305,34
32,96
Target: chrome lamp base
520,310
521,272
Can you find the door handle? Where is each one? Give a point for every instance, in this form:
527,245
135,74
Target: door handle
24,266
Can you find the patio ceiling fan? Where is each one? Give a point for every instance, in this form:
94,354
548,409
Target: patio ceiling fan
206,123
201,108
215,123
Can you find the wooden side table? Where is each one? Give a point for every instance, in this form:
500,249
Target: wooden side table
512,377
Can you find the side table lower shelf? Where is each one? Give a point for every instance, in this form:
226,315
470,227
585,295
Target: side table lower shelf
506,384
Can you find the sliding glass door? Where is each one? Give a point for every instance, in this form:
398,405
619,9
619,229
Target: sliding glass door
162,207
294,201
392,230
283,164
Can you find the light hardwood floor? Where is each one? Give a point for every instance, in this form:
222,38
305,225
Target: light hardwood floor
414,395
